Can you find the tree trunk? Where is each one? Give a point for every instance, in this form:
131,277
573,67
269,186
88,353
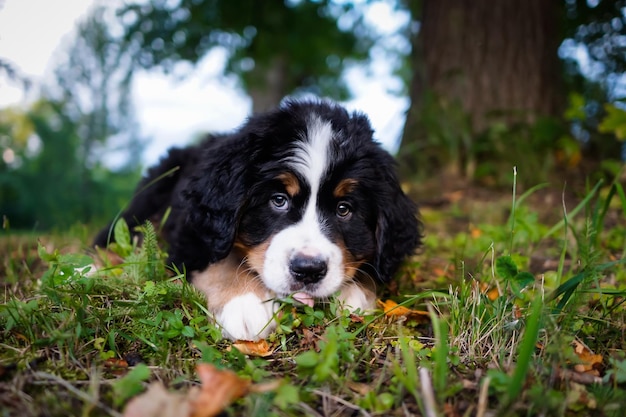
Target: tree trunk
267,85
496,61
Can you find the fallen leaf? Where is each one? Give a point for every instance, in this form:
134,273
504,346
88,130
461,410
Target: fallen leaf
393,309
158,402
438,271
356,318
247,347
454,196
219,389
581,378
311,337
493,293
589,362
475,232
359,387
116,366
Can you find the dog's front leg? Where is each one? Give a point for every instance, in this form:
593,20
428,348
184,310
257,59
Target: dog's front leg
358,295
237,299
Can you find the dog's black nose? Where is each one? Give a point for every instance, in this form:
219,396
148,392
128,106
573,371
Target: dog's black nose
308,269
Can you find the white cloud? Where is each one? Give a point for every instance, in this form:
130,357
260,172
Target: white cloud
30,30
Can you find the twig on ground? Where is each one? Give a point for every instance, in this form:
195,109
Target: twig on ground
428,393
80,394
341,401
483,397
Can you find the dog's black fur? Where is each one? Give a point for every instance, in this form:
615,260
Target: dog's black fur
208,185
300,200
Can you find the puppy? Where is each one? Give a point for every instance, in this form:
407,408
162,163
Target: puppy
298,201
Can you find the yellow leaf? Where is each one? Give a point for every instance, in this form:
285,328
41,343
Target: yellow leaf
247,347
392,309
589,362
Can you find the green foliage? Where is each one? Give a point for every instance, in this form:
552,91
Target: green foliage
441,352
525,351
497,338
52,188
57,174
131,384
325,363
300,42
617,373
507,270
614,121
447,143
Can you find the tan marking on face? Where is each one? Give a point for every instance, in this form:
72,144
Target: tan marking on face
344,187
350,264
292,185
357,286
256,256
228,278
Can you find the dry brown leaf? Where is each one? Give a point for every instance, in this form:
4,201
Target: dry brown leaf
392,309
359,387
116,366
475,232
219,389
580,378
493,293
309,339
158,402
590,362
247,347
354,318
454,196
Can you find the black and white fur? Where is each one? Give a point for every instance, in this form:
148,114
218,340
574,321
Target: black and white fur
300,200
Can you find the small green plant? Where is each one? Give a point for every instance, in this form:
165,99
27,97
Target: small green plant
131,384
499,340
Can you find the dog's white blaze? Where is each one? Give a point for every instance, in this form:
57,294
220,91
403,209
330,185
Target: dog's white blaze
311,158
306,237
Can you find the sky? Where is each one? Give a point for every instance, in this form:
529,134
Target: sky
172,112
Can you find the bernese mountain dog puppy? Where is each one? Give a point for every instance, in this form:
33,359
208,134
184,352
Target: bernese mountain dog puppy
298,201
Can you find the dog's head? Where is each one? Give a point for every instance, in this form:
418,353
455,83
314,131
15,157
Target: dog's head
307,197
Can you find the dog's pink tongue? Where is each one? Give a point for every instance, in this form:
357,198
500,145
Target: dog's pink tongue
304,298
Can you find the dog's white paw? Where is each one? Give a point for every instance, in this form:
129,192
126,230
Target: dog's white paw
354,297
247,317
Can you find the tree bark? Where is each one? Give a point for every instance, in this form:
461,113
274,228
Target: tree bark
496,60
269,85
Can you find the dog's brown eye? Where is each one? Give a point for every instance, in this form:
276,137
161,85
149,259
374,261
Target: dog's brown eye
280,201
344,210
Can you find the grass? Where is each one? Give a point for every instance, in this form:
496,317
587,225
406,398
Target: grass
526,318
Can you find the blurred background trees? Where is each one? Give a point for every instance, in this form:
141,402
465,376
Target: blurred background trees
477,66
497,84
535,84
56,154
275,48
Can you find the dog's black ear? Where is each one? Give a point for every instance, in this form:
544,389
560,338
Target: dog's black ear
398,229
211,202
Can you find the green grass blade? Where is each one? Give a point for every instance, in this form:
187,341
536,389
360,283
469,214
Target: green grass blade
526,350
440,354
577,209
